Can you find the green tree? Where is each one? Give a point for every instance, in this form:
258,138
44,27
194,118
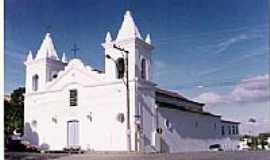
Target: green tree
14,112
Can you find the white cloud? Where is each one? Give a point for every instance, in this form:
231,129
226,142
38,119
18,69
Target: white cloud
226,44
209,98
254,89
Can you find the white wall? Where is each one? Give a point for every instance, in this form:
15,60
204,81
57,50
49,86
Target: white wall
103,95
104,132
103,100
146,104
185,136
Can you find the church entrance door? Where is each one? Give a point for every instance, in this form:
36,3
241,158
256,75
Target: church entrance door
73,133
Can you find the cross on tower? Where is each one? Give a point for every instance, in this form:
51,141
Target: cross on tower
74,50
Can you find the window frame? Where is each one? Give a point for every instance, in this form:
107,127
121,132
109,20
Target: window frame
35,82
233,130
223,130
120,73
229,130
73,97
236,130
143,69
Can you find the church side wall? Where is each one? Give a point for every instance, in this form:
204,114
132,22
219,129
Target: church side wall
190,132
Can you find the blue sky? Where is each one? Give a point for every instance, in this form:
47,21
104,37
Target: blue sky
203,46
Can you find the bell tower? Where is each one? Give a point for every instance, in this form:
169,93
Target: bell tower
44,67
140,89
130,39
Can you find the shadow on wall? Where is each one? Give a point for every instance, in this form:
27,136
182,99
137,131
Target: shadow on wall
30,135
164,147
33,137
146,141
141,98
147,145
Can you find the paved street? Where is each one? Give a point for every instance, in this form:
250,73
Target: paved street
259,155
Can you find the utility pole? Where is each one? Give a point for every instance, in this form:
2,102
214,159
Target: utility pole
128,132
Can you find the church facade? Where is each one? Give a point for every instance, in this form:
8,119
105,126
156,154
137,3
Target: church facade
71,105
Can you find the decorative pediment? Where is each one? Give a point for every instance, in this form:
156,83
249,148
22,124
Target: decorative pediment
75,72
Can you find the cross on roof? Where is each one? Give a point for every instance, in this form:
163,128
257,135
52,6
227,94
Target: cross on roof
74,50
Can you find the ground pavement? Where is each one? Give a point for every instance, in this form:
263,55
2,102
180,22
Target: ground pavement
254,155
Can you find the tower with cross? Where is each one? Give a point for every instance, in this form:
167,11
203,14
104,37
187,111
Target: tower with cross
44,67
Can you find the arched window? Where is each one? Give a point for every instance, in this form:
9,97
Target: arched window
35,82
120,67
143,69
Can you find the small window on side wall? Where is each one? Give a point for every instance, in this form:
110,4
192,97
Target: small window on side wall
143,69
229,130
196,124
167,124
222,130
233,130
35,82
73,97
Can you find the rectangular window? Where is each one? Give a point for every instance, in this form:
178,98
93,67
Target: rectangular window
233,130
196,124
73,97
35,82
229,130
236,130
222,131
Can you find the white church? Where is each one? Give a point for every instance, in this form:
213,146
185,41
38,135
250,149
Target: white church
71,105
